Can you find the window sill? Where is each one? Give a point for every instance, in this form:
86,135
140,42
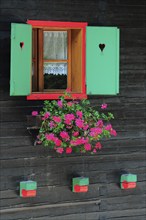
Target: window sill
47,96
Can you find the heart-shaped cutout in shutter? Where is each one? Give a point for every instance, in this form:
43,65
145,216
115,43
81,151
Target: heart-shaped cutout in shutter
21,44
101,46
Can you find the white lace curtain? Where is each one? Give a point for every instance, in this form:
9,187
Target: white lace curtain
55,68
55,45
55,48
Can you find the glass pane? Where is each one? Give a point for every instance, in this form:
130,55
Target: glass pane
55,75
55,45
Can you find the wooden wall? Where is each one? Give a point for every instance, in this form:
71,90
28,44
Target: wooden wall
21,160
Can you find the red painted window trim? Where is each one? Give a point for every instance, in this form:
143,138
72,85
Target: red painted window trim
45,96
81,25
57,24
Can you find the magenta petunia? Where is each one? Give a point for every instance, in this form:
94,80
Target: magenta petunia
95,131
52,124
94,151
85,127
98,145
87,147
50,137
60,104
57,142
69,117
113,132
108,127
64,135
34,113
79,123
79,141
79,114
46,115
75,133
57,119
104,106
68,150
59,150
99,123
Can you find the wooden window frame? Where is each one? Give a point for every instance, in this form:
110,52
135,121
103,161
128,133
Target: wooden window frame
76,68
38,60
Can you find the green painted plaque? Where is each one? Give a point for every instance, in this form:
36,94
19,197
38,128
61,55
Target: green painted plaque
128,177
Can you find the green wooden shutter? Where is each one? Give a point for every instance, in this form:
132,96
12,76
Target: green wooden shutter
21,59
102,60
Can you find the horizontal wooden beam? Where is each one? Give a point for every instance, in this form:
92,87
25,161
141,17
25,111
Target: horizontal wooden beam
95,202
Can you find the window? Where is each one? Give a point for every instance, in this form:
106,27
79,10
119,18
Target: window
57,61
49,57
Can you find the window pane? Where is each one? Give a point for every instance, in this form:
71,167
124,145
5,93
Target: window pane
55,75
55,45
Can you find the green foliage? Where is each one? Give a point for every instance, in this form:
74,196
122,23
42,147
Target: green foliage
74,126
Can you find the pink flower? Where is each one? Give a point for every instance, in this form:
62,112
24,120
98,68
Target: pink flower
50,137
46,116
98,145
69,117
70,103
100,123
75,133
60,104
95,131
34,113
51,124
94,151
104,106
108,127
79,114
64,135
57,119
68,150
79,141
59,150
113,132
87,147
85,127
79,123
68,90
57,142
67,122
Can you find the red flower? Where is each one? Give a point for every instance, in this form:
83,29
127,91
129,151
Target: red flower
98,145
68,150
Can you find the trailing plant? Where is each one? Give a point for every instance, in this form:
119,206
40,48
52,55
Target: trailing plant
74,126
